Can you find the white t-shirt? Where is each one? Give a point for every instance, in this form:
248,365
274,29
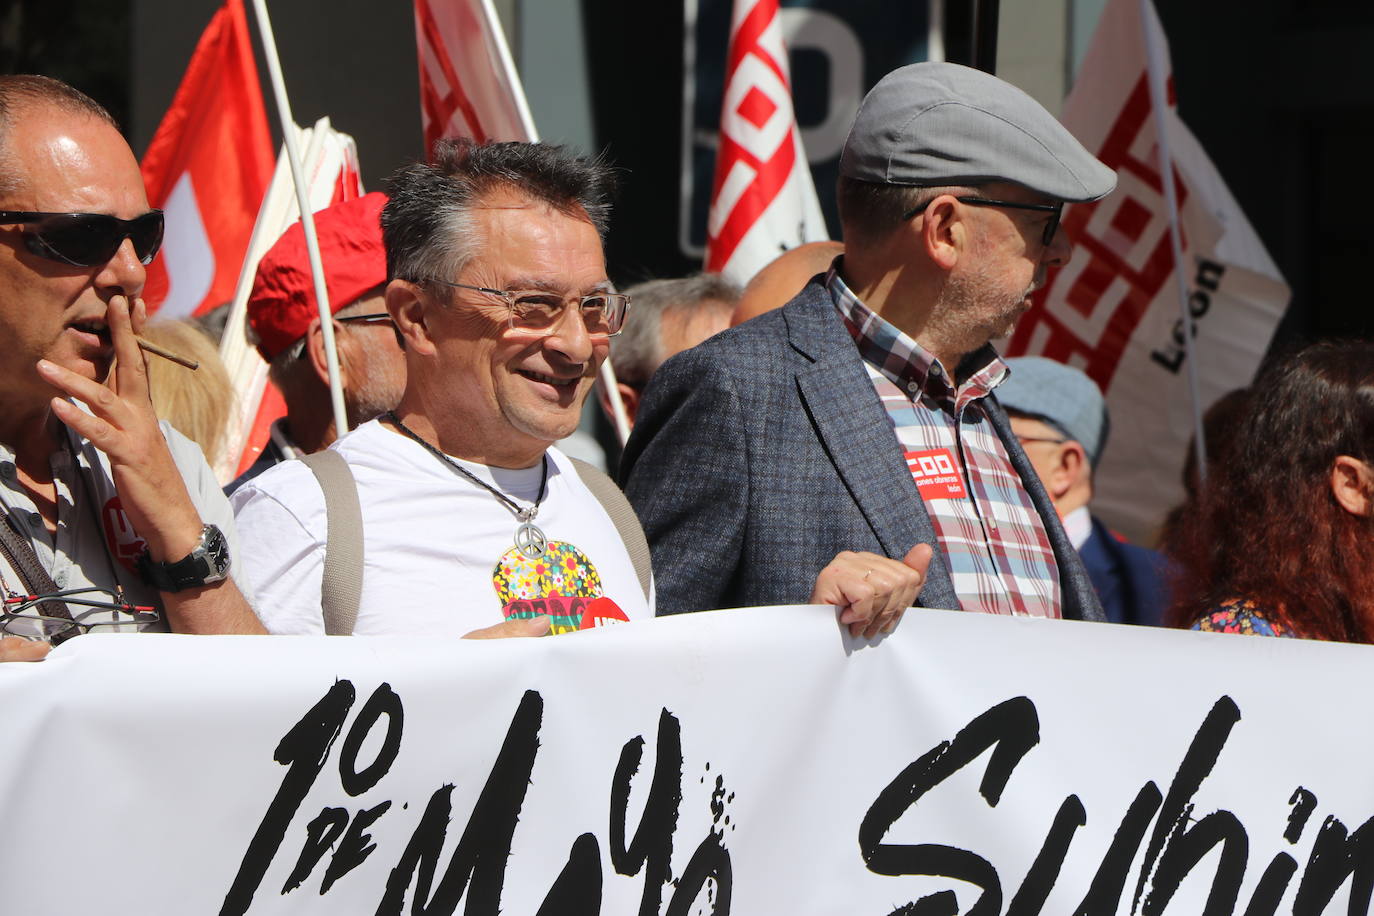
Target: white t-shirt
438,550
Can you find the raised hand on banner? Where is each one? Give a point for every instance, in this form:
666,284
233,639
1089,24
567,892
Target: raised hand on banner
123,425
871,591
14,649
523,626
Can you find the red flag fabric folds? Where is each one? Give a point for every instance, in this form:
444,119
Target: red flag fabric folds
468,85
208,166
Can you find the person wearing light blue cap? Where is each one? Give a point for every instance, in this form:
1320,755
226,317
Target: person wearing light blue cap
1060,418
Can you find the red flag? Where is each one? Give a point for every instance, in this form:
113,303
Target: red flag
763,200
208,166
468,85
1113,310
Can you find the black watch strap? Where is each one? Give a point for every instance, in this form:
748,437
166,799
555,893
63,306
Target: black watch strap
208,562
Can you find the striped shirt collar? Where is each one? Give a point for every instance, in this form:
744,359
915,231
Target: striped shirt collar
902,360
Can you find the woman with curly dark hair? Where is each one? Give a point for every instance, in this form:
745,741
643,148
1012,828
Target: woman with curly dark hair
1283,543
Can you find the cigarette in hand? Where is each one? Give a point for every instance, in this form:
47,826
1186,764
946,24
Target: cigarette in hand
149,347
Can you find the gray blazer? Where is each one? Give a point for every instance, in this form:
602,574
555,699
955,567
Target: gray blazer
762,453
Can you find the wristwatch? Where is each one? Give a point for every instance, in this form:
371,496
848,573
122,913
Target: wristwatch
208,562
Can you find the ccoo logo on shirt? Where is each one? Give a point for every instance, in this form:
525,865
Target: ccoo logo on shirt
123,541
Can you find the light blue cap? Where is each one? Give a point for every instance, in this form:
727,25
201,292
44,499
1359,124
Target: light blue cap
1059,395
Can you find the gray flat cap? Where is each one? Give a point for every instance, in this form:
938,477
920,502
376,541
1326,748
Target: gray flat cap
942,124
1059,395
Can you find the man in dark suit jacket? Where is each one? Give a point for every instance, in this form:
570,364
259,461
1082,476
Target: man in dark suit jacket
1060,418
1131,581
774,447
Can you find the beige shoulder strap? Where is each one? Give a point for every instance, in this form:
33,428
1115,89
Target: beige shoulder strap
622,516
342,588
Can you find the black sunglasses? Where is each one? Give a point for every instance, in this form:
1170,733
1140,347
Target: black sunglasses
87,239
1050,228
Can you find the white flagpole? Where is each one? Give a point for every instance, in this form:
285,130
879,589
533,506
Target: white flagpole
1155,63
312,243
935,30
618,414
507,65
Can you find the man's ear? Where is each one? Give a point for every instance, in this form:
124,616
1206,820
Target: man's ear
628,396
314,350
408,305
943,232
1069,463
1352,483
1073,463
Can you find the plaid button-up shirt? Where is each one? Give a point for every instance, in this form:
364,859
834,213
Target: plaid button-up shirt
992,538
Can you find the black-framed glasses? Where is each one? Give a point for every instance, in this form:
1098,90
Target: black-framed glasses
1055,210
603,314
87,239
297,349
15,620
373,318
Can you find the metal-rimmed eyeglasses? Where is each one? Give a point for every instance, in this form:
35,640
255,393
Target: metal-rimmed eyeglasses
1055,210
16,620
603,314
370,318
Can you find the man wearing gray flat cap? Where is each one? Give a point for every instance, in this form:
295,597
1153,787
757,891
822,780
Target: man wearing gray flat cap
860,418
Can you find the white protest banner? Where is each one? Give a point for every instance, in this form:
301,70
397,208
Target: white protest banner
1114,310
756,761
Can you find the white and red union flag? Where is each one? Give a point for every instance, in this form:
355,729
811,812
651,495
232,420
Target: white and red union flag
468,83
763,200
1113,310
208,167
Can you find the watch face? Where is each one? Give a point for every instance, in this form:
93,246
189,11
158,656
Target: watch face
216,553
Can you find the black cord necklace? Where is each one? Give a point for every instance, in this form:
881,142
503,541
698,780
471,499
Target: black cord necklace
529,539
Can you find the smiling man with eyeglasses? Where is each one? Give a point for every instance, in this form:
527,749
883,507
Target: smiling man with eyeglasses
470,518
859,420
94,493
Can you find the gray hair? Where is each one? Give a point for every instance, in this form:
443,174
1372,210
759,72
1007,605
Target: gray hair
21,91
427,224
870,210
638,350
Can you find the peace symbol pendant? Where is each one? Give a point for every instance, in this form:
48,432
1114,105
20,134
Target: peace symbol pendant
531,541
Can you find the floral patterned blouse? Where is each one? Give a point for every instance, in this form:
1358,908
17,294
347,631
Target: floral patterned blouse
1242,616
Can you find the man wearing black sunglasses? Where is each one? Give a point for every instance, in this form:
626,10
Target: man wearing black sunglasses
93,493
859,419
